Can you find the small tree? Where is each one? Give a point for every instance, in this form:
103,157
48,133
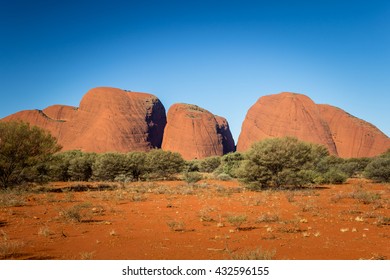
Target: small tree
209,164
280,162
230,164
22,146
80,167
108,166
136,165
379,169
163,164
60,163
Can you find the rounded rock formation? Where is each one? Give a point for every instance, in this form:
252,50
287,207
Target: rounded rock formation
296,115
196,133
352,136
284,114
108,119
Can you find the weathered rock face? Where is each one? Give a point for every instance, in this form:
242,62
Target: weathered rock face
353,137
108,119
291,114
285,114
196,133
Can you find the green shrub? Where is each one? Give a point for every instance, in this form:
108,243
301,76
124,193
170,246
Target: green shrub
209,164
378,169
21,147
192,177
230,164
163,164
136,165
328,162
354,166
281,162
59,165
80,167
108,166
192,166
334,176
224,177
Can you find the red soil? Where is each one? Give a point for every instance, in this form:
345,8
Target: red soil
171,220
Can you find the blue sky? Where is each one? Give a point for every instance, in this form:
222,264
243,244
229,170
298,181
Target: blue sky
220,55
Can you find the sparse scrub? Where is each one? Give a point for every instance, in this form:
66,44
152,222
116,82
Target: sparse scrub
365,197
77,213
10,249
290,196
258,254
12,199
138,197
86,255
204,214
237,220
268,218
192,177
224,177
383,221
176,225
44,231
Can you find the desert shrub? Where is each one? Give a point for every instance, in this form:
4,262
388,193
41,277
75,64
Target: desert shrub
258,254
328,162
378,169
334,176
224,177
163,164
353,167
59,165
192,177
237,220
209,164
77,213
192,166
136,165
230,164
108,166
21,147
80,167
39,172
281,162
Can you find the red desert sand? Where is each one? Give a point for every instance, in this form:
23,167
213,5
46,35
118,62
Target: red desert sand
209,220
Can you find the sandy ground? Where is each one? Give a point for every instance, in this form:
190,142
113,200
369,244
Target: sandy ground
210,220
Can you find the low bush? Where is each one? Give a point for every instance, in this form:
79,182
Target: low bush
192,177
209,164
378,169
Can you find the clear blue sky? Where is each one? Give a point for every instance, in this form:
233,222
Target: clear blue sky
220,55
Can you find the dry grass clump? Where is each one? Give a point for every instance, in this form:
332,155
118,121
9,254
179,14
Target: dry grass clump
12,198
176,225
268,218
237,220
45,231
9,249
258,254
383,221
77,213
